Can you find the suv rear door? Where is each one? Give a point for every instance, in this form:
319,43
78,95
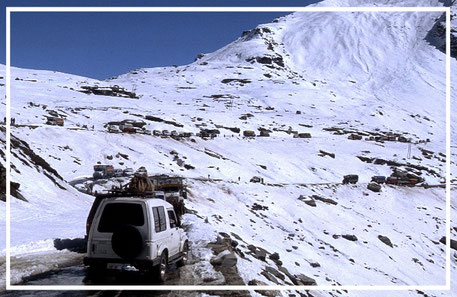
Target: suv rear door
112,215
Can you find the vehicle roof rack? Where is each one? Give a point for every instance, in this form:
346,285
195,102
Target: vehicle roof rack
114,194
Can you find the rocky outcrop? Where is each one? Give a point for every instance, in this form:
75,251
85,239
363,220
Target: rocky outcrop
385,240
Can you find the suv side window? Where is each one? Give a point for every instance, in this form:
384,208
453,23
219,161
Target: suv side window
172,217
160,223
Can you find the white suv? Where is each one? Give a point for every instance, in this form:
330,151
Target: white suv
141,232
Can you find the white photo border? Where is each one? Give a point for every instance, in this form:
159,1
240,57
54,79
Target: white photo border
9,286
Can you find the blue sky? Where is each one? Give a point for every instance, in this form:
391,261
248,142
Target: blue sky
102,45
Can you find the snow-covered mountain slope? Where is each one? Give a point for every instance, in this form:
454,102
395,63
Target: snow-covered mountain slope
327,74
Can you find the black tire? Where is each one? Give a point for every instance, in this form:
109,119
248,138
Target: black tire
127,242
161,269
185,255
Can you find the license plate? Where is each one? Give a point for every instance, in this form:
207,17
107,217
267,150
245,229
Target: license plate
115,266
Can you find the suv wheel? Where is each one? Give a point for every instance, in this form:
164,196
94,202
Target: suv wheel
185,255
161,269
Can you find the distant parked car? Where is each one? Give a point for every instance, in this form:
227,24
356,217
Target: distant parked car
378,179
249,133
174,133
156,133
159,195
113,129
142,170
355,137
302,135
147,132
128,171
256,179
166,133
392,180
351,178
128,128
118,172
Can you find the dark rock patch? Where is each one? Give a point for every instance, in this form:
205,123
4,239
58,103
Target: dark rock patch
324,153
375,187
349,237
325,200
385,240
453,242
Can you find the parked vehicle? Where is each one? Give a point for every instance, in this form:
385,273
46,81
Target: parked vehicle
302,135
165,133
128,171
127,128
405,180
264,133
140,232
355,137
256,179
156,133
174,133
113,129
103,171
249,133
159,195
351,178
142,170
118,172
392,180
186,134
378,179
55,121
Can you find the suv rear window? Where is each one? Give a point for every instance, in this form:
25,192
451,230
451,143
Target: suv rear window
117,214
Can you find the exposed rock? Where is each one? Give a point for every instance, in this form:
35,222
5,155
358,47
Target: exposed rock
241,81
305,280
453,242
349,237
324,153
78,245
224,259
267,293
375,187
256,206
274,256
326,200
385,240
257,252
274,272
292,278
269,277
